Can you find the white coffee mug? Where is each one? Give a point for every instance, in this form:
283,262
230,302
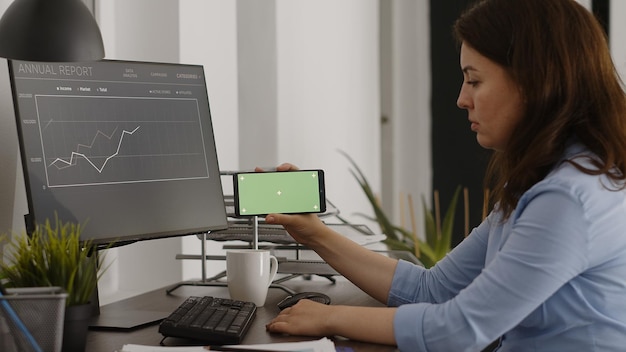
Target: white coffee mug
249,273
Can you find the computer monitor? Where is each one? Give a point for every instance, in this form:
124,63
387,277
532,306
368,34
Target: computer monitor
125,148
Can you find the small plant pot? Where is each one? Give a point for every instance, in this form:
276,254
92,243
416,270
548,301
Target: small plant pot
75,327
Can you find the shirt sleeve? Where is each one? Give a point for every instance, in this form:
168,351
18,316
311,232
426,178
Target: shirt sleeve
412,283
545,247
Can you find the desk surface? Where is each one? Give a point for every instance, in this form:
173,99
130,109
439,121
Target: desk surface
341,292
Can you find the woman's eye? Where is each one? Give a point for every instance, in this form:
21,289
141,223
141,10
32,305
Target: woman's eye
472,83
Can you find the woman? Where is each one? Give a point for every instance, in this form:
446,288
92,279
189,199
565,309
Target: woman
547,269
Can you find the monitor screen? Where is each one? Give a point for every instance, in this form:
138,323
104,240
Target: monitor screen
125,148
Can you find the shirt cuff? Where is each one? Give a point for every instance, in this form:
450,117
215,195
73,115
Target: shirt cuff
408,327
404,290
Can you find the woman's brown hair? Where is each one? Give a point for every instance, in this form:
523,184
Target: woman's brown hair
557,53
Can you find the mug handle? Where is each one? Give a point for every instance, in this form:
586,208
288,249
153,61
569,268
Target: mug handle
273,269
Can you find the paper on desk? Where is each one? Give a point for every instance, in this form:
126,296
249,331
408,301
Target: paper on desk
144,348
321,345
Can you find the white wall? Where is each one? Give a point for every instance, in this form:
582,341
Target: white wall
328,92
208,36
409,111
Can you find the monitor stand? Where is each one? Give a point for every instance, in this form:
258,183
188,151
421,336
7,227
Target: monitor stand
126,319
121,319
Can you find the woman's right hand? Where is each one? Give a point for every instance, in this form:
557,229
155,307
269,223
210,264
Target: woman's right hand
281,167
304,228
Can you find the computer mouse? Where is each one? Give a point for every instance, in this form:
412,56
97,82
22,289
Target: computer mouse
293,299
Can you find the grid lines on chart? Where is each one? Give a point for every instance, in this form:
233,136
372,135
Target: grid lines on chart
103,140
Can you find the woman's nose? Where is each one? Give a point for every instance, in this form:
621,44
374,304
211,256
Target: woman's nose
462,101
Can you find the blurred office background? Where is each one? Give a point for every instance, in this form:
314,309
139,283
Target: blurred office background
299,81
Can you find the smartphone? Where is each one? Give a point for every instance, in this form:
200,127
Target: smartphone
286,192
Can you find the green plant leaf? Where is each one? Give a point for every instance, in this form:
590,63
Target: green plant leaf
429,224
385,224
445,242
435,246
53,255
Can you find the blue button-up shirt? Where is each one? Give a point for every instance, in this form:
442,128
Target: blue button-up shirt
552,277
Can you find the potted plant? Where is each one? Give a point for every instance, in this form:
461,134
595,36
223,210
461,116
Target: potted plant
438,235
54,255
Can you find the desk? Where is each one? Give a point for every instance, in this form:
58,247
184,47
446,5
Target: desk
342,292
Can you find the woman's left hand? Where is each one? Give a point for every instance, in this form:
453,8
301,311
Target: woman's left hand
309,318
306,318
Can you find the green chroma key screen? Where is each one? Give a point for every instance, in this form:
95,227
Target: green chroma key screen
288,192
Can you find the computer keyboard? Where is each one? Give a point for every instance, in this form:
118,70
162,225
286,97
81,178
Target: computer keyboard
210,319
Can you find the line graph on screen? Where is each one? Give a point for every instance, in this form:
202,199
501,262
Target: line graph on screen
61,163
103,140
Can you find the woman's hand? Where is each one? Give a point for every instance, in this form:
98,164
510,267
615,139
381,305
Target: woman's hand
303,227
306,318
281,167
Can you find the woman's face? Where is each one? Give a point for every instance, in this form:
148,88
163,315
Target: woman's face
492,100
